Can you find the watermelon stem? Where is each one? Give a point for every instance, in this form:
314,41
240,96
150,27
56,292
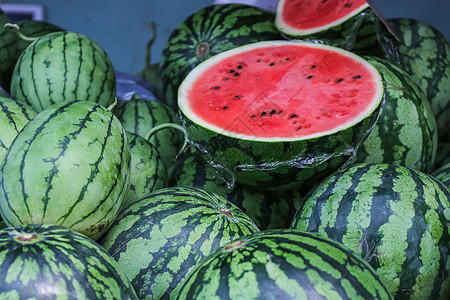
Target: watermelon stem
148,53
16,28
111,107
168,125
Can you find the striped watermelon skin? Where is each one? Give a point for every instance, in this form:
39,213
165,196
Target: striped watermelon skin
140,115
63,66
443,174
424,53
406,132
53,262
29,28
160,237
147,170
14,116
394,217
283,264
69,165
206,32
269,210
7,44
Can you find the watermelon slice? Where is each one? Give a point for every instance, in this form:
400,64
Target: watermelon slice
276,114
347,24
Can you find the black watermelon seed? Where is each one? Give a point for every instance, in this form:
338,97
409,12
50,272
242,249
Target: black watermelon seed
216,87
273,111
340,79
263,113
231,71
313,66
239,67
236,74
357,77
309,77
293,116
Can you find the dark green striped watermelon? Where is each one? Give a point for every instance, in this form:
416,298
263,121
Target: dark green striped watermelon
63,66
405,133
269,210
160,237
141,115
14,116
424,53
280,114
30,29
7,44
69,165
394,217
207,32
283,264
443,174
147,170
52,262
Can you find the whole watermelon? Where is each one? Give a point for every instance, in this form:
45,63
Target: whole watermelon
396,218
52,262
163,235
405,132
69,165
283,264
63,66
206,32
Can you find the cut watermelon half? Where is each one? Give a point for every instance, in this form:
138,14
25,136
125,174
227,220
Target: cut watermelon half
348,24
279,104
303,17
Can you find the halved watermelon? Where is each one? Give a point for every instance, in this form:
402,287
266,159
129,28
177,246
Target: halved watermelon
277,114
348,24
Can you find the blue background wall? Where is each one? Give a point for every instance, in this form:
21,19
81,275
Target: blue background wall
122,27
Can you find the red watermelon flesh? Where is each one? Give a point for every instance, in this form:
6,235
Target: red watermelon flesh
314,15
281,90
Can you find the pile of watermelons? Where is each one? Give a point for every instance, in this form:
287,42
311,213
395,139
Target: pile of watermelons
263,157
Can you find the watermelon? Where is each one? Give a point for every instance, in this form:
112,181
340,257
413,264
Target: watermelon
53,262
279,114
349,24
63,66
140,115
207,32
405,133
147,170
283,264
394,217
13,117
269,210
424,53
69,165
161,236
29,29
7,44
443,174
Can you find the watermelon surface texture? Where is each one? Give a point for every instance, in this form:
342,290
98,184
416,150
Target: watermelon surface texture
63,66
52,262
69,165
283,264
278,114
424,53
30,29
207,32
14,116
140,115
161,236
394,217
268,209
406,132
147,169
